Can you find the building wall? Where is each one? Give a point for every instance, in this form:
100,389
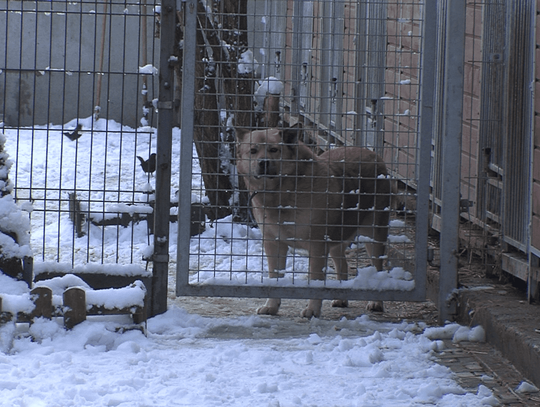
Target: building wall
51,58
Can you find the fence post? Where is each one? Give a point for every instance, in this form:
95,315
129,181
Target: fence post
158,302
43,301
186,149
451,155
74,307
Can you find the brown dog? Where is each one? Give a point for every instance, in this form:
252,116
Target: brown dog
317,203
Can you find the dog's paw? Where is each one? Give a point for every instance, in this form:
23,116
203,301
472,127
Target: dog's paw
340,303
264,310
270,308
309,313
375,306
312,310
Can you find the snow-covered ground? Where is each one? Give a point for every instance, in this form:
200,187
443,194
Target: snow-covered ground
188,360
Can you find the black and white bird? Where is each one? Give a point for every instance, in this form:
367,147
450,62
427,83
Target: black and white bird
148,166
75,134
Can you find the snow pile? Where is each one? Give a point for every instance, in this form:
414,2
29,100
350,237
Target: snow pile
128,270
6,186
269,86
15,227
117,298
14,303
148,70
457,333
246,63
526,387
14,223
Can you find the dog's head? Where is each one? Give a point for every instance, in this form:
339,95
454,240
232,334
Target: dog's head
267,154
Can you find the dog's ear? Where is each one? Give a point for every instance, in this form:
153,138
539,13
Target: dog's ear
292,134
241,133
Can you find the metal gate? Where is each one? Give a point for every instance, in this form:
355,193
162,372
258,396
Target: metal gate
353,74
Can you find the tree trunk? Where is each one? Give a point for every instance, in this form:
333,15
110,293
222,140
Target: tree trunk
214,65
207,131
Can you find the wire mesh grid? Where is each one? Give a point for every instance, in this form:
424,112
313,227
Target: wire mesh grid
285,95
77,90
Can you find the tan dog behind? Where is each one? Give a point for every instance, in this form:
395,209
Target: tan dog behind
317,203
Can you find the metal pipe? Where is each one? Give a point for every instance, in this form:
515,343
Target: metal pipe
451,153
162,206
186,149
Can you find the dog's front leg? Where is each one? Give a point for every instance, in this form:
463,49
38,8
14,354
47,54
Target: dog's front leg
276,254
316,266
342,270
376,251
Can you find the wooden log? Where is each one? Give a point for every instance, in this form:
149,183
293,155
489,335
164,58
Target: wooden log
74,307
139,316
42,297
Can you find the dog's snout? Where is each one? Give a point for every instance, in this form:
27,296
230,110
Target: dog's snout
263,166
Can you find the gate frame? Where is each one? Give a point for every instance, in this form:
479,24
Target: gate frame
450,211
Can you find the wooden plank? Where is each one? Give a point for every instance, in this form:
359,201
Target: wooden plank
516,266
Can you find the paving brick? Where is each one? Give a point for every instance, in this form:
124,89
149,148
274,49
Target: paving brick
476,364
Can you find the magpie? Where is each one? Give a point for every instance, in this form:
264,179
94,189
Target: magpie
148,166
75,134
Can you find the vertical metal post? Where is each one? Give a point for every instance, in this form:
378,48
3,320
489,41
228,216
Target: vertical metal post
451,154
297,55
186,147
426,123
163,170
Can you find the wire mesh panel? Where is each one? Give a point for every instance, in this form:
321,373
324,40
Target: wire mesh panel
302,142
76,103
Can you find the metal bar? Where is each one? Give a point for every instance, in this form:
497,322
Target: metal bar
360,68
532,278
186,147
271,291
426,123
163,168
451,154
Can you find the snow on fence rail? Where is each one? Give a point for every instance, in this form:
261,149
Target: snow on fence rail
74,304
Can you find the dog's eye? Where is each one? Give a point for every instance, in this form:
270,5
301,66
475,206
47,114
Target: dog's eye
273,150
253,150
